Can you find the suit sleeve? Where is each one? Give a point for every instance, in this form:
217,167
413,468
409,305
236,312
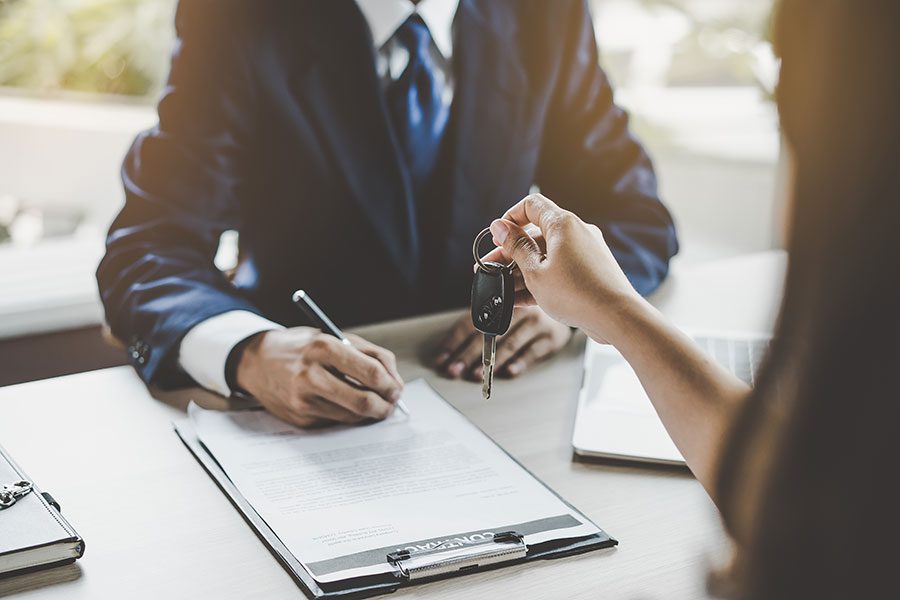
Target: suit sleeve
593,165
183,180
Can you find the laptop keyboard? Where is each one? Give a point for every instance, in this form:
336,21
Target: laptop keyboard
740,356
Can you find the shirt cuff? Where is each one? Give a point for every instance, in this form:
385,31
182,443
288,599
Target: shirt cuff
205,348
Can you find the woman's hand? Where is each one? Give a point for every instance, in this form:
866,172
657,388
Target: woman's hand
564,266
567,268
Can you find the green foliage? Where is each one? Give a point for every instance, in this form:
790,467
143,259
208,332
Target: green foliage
100,46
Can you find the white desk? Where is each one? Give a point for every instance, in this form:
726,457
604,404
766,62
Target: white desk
156,526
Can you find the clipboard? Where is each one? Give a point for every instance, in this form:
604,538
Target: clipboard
446,560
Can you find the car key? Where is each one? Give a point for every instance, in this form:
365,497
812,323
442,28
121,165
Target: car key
493,299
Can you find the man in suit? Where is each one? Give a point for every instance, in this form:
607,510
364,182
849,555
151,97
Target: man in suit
358,146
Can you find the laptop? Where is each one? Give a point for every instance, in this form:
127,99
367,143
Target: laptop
615,418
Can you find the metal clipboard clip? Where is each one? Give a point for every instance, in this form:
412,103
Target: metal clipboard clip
450,557
10,493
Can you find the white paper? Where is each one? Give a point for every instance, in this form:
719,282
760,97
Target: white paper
338,497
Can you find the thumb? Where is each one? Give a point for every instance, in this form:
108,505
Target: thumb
516,243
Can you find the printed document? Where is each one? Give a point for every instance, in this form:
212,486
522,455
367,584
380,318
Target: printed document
341,498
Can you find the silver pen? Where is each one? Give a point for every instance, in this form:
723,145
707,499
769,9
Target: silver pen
317,316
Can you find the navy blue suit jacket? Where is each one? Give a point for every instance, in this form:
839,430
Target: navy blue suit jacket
273,123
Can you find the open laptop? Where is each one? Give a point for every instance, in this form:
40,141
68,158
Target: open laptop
615,418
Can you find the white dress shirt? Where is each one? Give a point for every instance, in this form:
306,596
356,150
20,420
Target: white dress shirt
205,349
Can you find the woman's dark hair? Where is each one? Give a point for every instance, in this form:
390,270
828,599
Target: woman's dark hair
827,520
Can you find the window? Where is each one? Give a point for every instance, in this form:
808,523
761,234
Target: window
697,77
78,79
94,46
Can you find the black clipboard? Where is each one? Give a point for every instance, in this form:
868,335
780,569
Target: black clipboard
505,549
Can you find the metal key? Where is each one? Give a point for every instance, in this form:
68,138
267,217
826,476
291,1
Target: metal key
493,298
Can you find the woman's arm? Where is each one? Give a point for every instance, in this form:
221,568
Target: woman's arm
570,272
694,396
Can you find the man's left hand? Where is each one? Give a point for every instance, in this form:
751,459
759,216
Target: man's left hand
532,337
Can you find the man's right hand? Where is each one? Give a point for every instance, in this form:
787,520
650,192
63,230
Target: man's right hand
296,374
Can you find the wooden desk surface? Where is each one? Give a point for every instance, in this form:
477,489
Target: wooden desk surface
156,526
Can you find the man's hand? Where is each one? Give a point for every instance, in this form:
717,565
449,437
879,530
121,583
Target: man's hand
532,337
297,375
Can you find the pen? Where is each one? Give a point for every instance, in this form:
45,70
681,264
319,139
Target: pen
317,316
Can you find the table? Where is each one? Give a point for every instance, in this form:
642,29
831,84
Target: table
156,526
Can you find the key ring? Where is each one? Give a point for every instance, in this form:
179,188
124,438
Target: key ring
475,253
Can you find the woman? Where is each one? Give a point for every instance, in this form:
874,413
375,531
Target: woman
804,467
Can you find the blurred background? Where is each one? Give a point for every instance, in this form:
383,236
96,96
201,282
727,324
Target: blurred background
78,79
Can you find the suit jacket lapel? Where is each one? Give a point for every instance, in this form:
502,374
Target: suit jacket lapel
489,102
337,82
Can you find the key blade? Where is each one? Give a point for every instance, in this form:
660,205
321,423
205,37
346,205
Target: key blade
487,363
487,381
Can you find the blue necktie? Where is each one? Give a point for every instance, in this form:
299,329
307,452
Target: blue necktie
417,110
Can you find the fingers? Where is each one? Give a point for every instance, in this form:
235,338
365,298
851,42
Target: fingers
499,254
382,355
460,333
539,349
535,232
320,397
467,356
370,372
309,379
519,281
545,214
314,412
333,398
324,399
328,412
525,299
535,337
289,412
513,343
517,244
307,410
536,209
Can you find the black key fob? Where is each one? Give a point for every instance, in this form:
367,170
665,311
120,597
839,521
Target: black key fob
493,299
